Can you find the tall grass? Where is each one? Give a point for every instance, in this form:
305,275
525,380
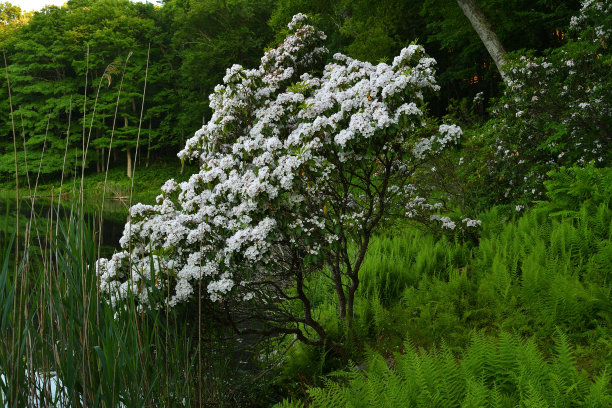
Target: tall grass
125,359
62,344
52,336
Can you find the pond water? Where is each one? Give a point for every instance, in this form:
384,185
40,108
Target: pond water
45,388
110,229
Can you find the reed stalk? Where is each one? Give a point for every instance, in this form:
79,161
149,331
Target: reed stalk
54,323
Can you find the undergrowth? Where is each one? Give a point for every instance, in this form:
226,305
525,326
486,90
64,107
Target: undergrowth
532,285
495,372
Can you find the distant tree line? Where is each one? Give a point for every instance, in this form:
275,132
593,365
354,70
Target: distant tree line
76,73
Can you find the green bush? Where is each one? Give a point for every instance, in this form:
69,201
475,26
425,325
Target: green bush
556,111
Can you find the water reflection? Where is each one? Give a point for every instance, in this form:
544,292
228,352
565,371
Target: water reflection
46,214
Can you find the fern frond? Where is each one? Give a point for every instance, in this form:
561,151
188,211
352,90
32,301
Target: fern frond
599,392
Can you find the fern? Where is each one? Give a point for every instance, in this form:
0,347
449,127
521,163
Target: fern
287,403
477,394
534,398
569,188
599,393
494,372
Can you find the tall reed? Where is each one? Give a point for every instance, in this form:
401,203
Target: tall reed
124,358
61,343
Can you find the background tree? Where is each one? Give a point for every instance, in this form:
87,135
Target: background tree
9,14
42,84
466,67
51,61
484,30
11,19
193,41
208,36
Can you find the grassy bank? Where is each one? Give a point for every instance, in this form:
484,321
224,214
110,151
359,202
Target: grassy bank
147,182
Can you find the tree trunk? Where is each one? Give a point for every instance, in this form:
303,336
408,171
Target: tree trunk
488,37
337,278
350,299
129,162
103,164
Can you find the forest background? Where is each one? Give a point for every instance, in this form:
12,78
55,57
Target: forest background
59,56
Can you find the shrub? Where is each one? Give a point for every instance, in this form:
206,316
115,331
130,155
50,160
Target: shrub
556,111
300,165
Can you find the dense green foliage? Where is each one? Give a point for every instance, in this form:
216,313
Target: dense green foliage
68,63
544,277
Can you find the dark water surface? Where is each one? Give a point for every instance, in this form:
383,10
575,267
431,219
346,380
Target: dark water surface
113,219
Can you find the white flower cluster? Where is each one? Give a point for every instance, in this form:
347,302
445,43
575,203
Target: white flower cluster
471,223
598,33
418,205
445,221
447,134
275,140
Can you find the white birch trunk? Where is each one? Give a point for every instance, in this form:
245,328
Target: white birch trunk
488,37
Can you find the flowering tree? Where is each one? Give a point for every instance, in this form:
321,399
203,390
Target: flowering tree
301,163
556,110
